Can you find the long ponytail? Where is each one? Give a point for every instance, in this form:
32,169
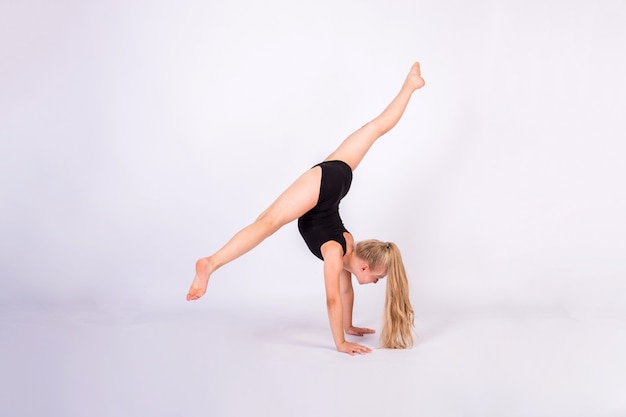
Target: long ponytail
398,315
398,318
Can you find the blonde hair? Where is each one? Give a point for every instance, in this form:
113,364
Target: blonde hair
398,316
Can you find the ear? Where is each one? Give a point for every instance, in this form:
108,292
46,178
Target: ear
364,267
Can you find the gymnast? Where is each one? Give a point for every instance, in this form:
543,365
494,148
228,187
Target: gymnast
314,199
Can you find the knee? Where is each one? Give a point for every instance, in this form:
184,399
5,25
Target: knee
269,222
380,126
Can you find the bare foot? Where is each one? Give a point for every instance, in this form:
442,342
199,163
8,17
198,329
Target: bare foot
200,281
414,79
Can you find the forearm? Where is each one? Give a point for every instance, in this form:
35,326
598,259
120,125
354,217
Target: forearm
335,320
347,303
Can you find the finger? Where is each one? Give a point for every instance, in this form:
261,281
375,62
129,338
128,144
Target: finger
363,349
365,330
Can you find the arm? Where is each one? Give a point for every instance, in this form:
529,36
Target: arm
333,267
347,302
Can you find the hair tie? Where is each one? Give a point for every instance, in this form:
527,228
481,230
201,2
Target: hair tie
387,244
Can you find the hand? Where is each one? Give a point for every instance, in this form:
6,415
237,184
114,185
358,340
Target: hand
352,348
359,331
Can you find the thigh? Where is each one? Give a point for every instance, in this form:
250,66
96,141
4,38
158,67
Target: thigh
353,149
297,199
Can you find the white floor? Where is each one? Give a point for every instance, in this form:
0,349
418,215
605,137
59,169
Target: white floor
276,361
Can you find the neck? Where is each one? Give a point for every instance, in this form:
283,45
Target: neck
348,260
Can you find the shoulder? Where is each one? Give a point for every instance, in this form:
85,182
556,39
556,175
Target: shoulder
332,252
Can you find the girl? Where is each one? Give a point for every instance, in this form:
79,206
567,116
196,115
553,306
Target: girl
314,199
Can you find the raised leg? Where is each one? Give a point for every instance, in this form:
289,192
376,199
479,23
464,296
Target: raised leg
300,197
354,147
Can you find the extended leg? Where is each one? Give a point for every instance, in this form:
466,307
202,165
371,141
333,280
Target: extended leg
354,147
300,197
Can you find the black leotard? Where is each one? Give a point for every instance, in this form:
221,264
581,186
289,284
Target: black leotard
322,223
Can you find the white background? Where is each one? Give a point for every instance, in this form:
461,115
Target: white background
138,136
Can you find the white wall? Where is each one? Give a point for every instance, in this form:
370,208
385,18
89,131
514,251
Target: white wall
138,136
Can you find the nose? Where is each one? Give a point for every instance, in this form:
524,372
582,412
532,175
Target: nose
375,280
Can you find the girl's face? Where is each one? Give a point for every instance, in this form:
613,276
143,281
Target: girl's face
366,275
